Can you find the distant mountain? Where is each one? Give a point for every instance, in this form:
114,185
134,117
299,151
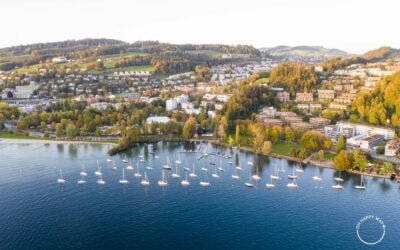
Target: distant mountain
382,53
304,51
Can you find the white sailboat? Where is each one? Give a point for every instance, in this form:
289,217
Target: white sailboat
60,179
137,174
299,169
250,163
281,169
339,179
337,186
193,173
123,180
101,181
163,182
98,173
293,175
317,176
215,174
178,161
270,184
185,182
205,183
109,160
249,183
145,181
81,181
83,172
130,166
292,184
176,175
255,176
236,176
125,160
204,169
362,185
114,167
238,168
275,176
166,165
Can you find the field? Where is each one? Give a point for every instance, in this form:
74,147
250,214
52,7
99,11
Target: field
14,136
211,53
281,148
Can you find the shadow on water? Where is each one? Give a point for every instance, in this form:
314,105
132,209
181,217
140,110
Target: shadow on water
60,148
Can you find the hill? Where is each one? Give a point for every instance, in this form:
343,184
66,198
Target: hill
304,51
382,53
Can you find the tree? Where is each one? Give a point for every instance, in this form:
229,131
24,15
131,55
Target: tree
289,135
340,144
342,161
231,141
237,135
321,155
359,160
70,130
59,130
189,128
266,148
273,135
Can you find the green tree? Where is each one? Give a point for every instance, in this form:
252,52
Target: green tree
321,155
70,130
342,161
59,130
340,144
237,135
359,160
189,128
266,148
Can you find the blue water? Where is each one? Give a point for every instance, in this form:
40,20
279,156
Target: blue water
37,213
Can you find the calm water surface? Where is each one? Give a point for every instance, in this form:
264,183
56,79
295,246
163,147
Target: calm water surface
37,213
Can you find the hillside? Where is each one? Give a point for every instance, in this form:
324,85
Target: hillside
304,51
382,53
107,55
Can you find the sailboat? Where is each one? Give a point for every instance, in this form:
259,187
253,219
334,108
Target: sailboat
275,176
270,184
250,163
137,174
123,181
236,175
205,183
178,161
255,176
238,168
81,181
176,174
145,181
129,167
83,172
98,172
166,165
337,186
109,160
163,182
362,185
249,183
60,179
299,169
281,169
125,160
114,167
185,182
193,174
215,174
293,175
101,181
204,169
317,176
339,179
292,184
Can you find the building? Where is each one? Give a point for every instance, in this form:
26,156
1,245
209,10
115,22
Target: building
269,112
270,122
392,148
304,97
357,132
319,122
157,119
372,141
171,104
283,96
338,106
301,126
325,95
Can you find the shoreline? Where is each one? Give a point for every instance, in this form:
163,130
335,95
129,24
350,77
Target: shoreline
47,141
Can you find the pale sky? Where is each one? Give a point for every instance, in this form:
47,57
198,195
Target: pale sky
352,25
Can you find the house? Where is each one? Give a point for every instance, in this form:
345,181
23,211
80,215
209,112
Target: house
171,104
326,95
269,112
338,106
59,59
371,141
304,97
157,119
392,148
319,122
283,96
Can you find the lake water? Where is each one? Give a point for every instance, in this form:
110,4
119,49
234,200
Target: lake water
38,213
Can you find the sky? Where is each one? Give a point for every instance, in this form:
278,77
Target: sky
355,26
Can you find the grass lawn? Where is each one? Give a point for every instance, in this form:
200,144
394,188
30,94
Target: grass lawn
6,135
126,69
282,148
328,156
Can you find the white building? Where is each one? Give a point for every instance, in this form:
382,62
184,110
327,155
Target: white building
171,104
157,119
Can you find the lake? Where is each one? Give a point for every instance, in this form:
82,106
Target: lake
38,213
